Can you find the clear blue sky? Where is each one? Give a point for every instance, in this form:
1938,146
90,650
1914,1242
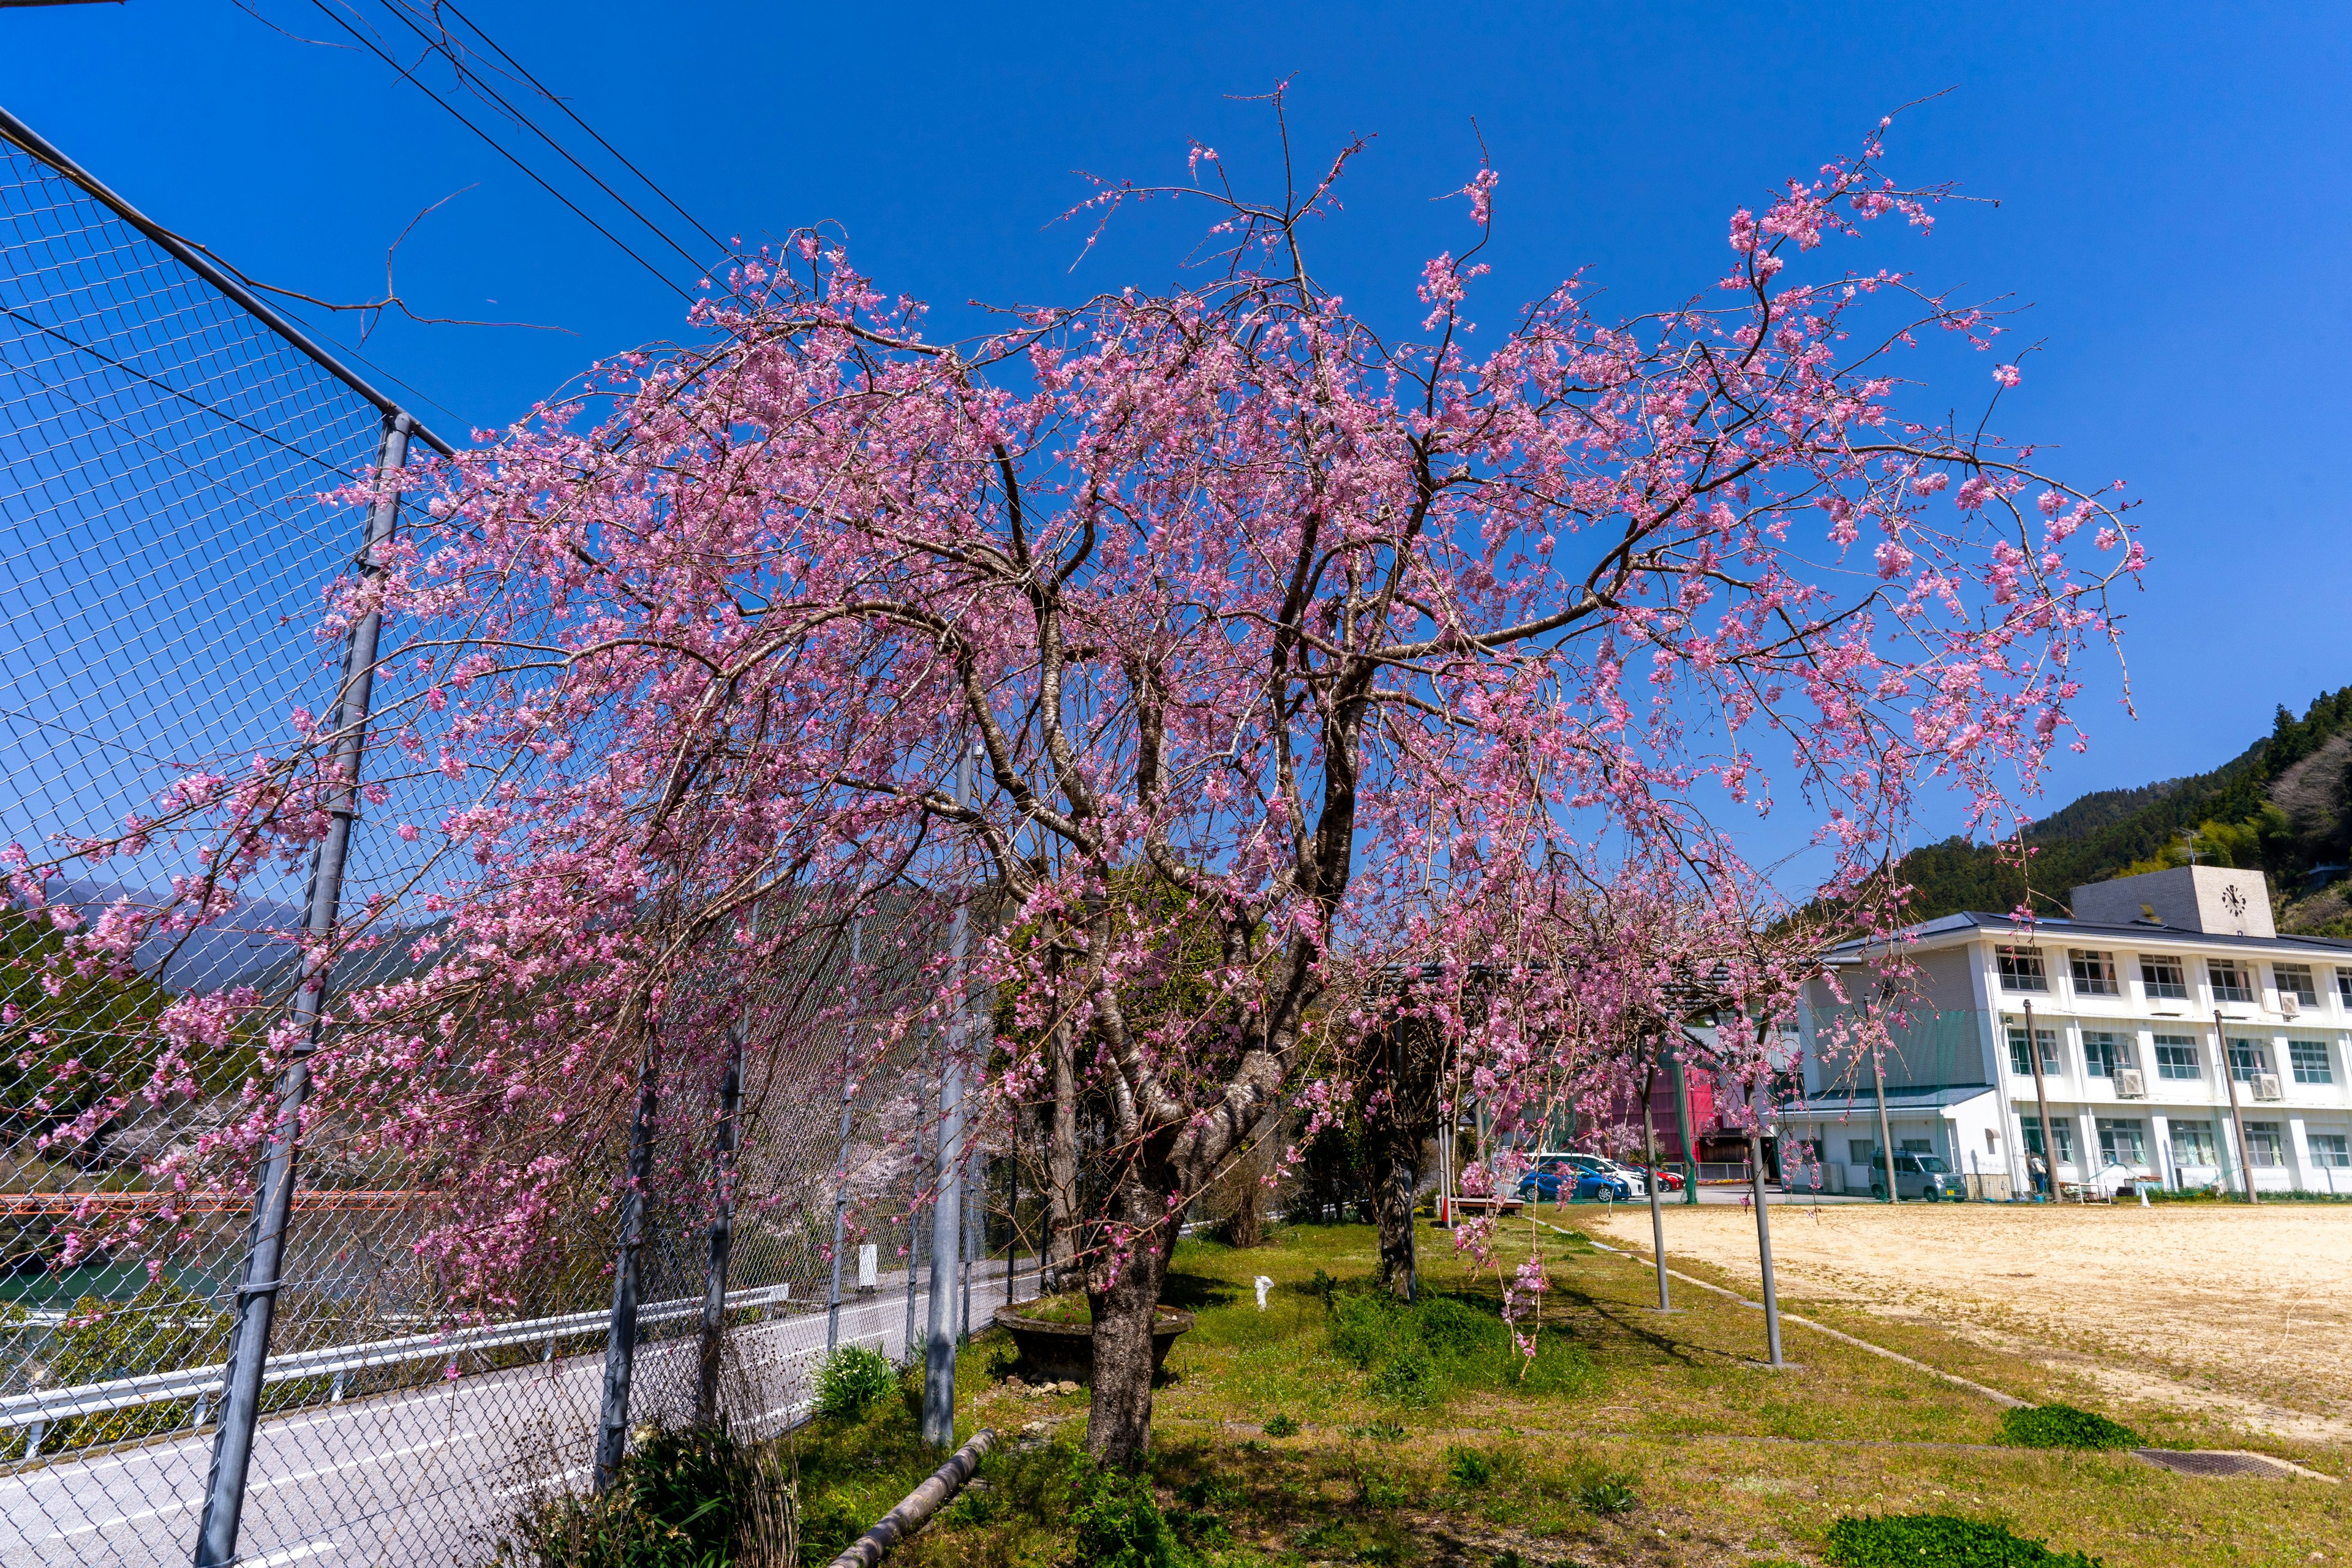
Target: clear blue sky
2173,187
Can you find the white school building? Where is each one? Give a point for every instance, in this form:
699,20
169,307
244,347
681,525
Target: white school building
2158,985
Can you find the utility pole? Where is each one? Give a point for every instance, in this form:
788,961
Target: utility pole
841,1162
2040,1101
2230,1082
947,1204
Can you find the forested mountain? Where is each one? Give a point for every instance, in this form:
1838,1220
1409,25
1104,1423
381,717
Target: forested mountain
2283,806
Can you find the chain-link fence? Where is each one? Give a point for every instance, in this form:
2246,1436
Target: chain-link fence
175,464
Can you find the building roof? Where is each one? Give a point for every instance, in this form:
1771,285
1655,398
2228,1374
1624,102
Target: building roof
1972,922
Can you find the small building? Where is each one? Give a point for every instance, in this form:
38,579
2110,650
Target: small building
2156,987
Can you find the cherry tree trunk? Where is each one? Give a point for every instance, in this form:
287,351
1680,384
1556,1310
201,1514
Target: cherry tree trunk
1062,1162
1118,1422
1396,1170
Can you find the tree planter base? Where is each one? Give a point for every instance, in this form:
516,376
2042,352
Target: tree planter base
1064,1352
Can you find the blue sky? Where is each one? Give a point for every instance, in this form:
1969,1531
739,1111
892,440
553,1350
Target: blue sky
2173,189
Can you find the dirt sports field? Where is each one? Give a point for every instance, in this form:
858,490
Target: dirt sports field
2242,1316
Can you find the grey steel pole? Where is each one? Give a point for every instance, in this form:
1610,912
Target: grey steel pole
1886,1138
621,1339
914,1228
947,1207
2041,1109
841,1163
2237,1121
257,1295
725,1145
1657,1214
1764,1240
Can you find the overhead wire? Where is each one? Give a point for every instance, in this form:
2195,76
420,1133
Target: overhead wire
371,45
482,88
543,90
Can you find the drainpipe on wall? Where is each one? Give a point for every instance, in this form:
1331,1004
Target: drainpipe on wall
2237,1122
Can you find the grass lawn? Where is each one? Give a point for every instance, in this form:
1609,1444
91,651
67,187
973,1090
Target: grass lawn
1327,1429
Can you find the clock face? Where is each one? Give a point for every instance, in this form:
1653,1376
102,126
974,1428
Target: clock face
2234,901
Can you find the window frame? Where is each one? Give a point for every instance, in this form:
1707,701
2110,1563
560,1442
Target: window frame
2306,993
2022,969
2329,1151
2173,990
2240,990
2107,1126
2111,1053
2298,1054
2052,1063
2260,1050
2101,980
2266,1138
2169,1071
2202,1132
2343,985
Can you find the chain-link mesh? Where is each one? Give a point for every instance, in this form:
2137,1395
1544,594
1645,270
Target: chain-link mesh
169,533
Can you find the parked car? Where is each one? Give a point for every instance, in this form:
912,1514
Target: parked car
1552,1181
1632,1175
1919,1176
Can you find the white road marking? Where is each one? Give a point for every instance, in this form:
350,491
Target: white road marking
252,1486
292,1552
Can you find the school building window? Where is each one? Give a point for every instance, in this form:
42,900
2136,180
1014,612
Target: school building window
2344,986
2230,981
2309,1059
2094,972
2176,1057
2121,1142
2104,1052
2265,1144
2021,1064
2294,980
2063,1132
2330,1149
2192,1143
2022,970
2164,977
2247,1058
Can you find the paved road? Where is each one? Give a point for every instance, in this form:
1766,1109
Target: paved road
417,1480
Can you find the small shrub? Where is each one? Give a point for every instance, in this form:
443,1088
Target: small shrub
1379,1432
1468,1468
1604,1492
1115,1522
1281,1426
853,1380
1939,1540
1407,1376
1212,1490
681,1500
2063,1426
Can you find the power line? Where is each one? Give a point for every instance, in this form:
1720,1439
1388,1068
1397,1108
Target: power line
370,45
559,103
483,89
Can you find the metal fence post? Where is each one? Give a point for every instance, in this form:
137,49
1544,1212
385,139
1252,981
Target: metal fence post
914,1227
621,1339
947,1207
257,1295
841,1162
727,1142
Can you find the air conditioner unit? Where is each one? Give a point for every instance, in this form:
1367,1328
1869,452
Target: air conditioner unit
2129,1085
2266,1085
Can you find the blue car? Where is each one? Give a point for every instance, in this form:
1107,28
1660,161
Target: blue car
1589,1187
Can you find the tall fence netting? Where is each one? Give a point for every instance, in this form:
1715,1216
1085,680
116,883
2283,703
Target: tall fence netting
170,532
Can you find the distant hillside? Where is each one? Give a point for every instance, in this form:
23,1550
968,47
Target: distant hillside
2283,806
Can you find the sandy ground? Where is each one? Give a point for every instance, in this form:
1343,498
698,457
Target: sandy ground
2242,1314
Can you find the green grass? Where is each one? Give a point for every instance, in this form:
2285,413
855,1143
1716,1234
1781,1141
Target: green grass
1939,1540
1287,1437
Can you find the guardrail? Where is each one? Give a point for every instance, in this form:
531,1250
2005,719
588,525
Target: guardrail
35,1410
